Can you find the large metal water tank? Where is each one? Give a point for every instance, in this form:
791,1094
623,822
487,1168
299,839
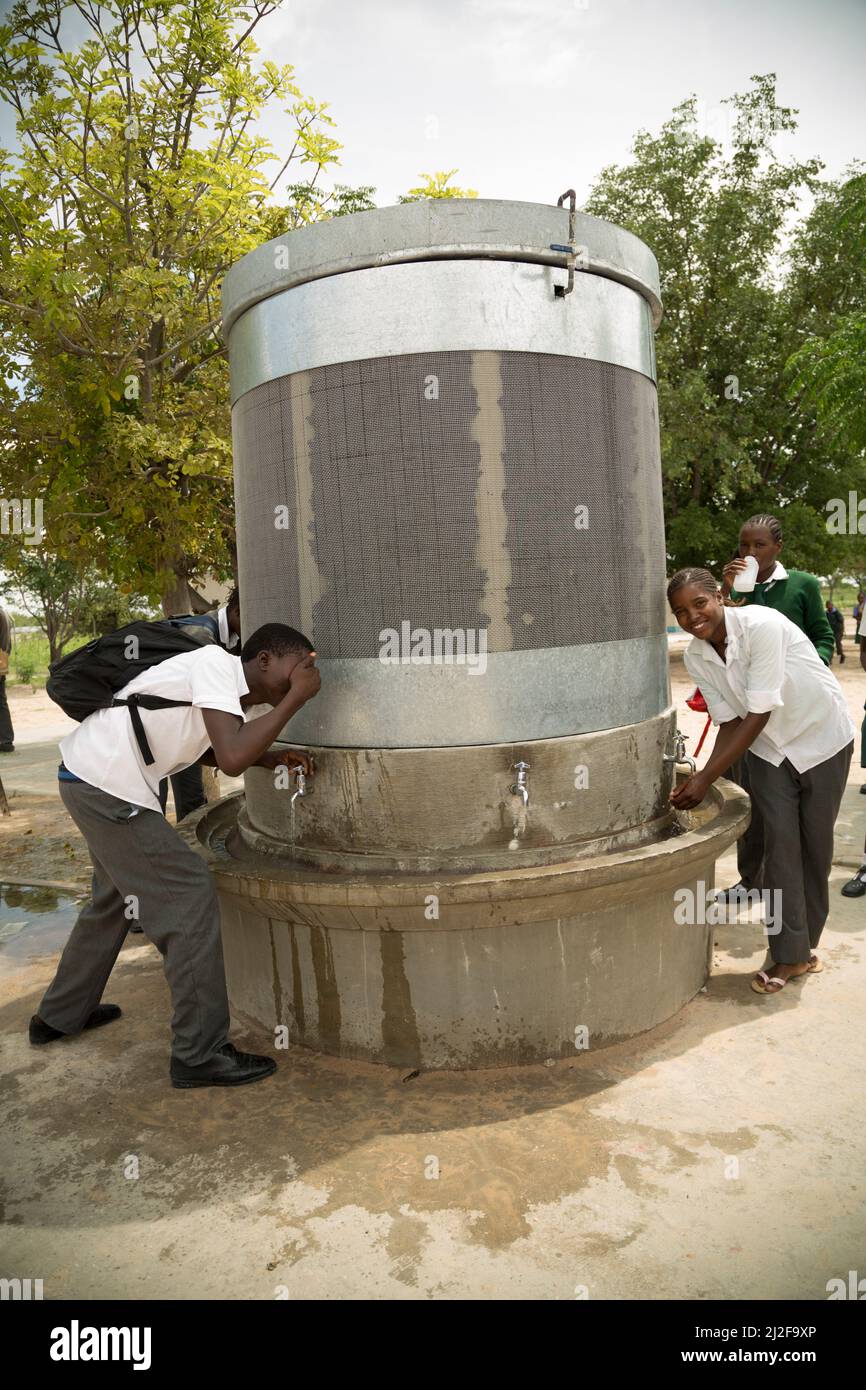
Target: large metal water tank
428,439
447,474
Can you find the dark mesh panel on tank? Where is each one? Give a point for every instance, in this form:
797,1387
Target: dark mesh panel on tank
374,468
582,434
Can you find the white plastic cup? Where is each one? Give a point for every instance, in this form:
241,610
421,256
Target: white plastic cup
745,580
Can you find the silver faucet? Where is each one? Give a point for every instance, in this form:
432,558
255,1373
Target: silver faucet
302,786
679,753
520,788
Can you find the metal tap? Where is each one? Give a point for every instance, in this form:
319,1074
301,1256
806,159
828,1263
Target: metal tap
679,753
520,788
302,786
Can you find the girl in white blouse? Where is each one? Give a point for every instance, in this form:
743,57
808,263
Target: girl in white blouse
774,699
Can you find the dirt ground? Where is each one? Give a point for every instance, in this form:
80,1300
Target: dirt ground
645,1170
39,842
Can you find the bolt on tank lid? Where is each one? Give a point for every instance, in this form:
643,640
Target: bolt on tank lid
441,229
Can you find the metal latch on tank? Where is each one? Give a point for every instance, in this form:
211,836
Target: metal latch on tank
572,253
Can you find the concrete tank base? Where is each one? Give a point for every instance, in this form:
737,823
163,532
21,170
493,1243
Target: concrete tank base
466,970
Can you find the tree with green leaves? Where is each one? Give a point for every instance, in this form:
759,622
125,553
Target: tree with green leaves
140,177
55,593
437,185
824,299
716,216
829,369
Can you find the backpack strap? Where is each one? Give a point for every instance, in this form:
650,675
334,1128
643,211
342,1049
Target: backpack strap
136,702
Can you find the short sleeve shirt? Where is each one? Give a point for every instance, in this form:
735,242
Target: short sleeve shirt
103,749
772,667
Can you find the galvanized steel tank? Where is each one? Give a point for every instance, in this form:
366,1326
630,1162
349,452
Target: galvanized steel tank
428,439
440,454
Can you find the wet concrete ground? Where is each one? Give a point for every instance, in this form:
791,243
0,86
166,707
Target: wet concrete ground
719,1156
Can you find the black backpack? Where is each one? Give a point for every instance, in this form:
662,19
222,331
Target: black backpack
87,679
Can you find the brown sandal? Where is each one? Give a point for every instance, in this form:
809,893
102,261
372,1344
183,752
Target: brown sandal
760,988
762,979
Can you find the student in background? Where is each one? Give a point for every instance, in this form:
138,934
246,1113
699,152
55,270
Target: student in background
837,622
856,886
861,633
224,625
792,592
7,735
797,595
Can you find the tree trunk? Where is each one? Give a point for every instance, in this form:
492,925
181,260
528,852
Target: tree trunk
176,598
198,604
55,647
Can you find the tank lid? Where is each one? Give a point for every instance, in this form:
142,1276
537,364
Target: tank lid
439,229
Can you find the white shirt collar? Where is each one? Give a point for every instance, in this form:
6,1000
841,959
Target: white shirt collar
779,572
733,634
228,638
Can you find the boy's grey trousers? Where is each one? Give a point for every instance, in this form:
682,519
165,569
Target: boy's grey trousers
142,869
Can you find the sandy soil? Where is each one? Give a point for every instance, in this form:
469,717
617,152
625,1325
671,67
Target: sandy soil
38,841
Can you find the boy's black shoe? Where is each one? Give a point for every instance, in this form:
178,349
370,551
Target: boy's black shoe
736,893
856,886
7,747
227,1068
43,1032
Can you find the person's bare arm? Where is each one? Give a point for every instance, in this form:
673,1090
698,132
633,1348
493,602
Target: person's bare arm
288,757
735,736
237,745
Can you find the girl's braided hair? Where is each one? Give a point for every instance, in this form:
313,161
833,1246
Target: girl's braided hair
701,579
770,523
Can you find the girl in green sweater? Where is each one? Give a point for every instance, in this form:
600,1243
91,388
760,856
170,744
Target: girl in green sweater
792,592
797,595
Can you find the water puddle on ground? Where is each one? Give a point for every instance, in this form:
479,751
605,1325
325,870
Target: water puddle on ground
34,921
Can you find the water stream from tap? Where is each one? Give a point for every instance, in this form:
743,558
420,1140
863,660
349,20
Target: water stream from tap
518,818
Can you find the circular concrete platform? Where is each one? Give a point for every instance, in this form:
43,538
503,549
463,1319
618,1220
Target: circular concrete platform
461,970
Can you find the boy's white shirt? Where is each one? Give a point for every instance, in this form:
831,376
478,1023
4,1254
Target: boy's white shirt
772,666
103,750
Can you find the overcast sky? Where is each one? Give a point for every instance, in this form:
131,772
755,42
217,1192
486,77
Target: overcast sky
528,97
